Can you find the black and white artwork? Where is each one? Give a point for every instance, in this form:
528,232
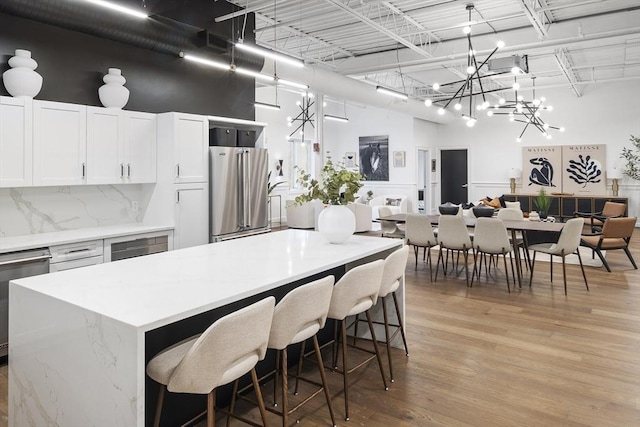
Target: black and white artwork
541,168
583,169
374,157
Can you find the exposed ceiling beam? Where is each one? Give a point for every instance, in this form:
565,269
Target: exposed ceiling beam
536,19
565,63
248,9
564,6
379,28
410,20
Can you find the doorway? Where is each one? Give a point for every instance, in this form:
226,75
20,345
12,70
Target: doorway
453,176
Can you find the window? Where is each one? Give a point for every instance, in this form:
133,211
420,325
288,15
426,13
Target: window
301,157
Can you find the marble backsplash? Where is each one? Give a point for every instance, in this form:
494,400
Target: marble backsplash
34,210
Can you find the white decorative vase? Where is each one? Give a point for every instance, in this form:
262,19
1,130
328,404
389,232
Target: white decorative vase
21,81
336,223
113,94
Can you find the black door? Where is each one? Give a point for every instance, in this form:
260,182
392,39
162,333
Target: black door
453,176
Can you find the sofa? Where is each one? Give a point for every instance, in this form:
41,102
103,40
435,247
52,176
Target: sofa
301,216
398,203
362,213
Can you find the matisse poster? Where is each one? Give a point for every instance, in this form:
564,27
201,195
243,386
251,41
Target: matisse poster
541,168
583,169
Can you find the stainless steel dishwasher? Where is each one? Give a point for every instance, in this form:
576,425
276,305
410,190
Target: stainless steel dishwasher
17,265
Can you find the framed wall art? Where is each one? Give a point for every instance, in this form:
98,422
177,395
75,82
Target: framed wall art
583,169
541,168
374,157
399,159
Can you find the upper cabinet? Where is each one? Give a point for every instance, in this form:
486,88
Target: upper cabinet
59,143
121,146
16,142
191,142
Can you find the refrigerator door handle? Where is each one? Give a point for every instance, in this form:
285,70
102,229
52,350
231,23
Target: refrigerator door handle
247,189
240,187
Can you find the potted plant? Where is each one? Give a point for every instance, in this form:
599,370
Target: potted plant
336,187
543,202
369,195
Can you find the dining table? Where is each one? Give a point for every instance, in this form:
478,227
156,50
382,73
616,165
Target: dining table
511,225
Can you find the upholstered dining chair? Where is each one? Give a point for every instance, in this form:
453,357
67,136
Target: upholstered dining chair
453,235
389,228
228,349
567,244
491,238
419,234
616,234
513,214
595,220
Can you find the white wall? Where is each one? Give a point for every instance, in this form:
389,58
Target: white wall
605,114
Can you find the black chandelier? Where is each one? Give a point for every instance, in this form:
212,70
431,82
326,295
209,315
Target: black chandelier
306,116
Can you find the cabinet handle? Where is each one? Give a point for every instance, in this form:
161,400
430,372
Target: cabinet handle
121,170
177,170
177,197
84,170
128,170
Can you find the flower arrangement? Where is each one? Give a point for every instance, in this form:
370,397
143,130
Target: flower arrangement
337,185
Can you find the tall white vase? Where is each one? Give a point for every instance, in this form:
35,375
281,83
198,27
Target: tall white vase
336,223
21,81
113,94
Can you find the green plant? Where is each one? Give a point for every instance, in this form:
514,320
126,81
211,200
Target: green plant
337,185
270,186
632,168
543,201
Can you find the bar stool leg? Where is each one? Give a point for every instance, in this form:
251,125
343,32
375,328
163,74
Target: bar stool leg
323,376
299,370
256,385
400,322
345,379
387,337
377,350
211,408
285,389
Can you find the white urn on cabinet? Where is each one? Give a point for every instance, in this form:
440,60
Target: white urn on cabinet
21,80
336,223
113,94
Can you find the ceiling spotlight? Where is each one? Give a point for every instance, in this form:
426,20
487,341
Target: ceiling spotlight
428,102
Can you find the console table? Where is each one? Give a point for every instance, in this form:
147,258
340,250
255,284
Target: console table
563,206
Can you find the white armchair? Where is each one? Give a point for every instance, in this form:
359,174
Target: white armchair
363,216
302,216
397,203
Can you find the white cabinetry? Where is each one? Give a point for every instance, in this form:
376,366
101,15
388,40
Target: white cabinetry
191,143
59,143
192,215
16,142
121,146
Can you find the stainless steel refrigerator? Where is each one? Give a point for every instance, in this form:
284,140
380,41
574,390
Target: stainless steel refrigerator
238,191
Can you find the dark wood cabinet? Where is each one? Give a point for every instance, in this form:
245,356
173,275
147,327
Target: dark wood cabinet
563,206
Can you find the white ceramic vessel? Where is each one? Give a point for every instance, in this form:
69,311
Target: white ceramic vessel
21,81
113,94
336,223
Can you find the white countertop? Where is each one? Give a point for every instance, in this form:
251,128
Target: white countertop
32,241
155,290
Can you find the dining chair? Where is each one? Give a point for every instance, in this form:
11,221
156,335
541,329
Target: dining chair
453,235
595,220
513,214
567,244
389,228
419,234
228,349
491,238
616,234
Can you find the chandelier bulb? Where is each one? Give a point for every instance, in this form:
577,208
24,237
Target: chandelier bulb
298,103
435,86
466,29
428,102
441,111
471,123
542,99
516,86
471,69
489,113
458,106
518,139
479,107
485,105
501,101
562,129
512,119
537,114
549,108
520,97
545,126
500,44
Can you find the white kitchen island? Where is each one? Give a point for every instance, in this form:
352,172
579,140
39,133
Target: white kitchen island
77,338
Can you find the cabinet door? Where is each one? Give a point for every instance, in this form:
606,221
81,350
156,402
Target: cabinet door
191,145
105,157
192,216
16,142
59,143
140,145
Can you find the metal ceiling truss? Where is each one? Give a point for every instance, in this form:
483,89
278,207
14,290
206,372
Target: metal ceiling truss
390,21
563,58
538,19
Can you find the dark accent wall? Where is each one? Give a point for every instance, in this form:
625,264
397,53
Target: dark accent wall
73,63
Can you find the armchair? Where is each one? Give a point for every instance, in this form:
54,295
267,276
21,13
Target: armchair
301,216
616,234
596,219
362,213
395,203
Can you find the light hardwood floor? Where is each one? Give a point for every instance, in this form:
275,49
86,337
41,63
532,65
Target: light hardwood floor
482,357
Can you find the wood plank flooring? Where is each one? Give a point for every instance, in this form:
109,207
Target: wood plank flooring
483,357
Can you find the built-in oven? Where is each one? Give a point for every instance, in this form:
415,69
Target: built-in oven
17,265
